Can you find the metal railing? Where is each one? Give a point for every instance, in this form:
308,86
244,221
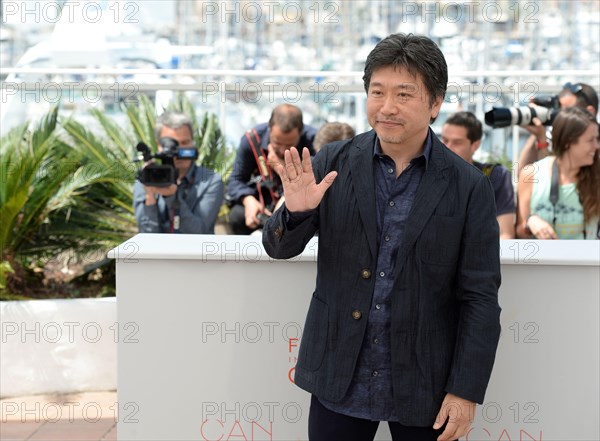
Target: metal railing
220,89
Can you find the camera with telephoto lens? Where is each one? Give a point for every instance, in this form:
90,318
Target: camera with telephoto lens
163,174
545,108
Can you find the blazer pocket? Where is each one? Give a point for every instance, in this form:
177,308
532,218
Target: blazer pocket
314,336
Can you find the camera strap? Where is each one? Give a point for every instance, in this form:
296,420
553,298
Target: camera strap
175,217
183,186
176,214
263,167
554,190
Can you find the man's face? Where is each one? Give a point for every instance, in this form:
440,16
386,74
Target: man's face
184,137
567,100
279,142
398,107
455,138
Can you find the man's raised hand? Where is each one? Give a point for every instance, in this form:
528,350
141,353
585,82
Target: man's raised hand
301,191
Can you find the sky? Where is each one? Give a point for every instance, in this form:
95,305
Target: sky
31,14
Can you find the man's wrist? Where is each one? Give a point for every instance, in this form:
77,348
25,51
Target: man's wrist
542,144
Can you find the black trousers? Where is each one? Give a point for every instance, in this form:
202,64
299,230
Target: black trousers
325,425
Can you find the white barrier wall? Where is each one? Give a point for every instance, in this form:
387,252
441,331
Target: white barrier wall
212,327
57,346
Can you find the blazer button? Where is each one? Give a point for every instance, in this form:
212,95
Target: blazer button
278,232
365,274
356,314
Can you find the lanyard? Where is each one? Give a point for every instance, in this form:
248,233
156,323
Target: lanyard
554,192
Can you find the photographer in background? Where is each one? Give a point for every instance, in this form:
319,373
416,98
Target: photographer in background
329,132
191,204
253,188
462,133
536,147
559,196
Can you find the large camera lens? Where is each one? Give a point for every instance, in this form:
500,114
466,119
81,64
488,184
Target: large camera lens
548,101
155,175
522,116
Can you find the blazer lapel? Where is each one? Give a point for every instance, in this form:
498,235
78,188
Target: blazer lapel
361,169
431,189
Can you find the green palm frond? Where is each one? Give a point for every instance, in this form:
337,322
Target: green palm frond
69,188
214,152
141,117
35,165
103,212
119,139
102,160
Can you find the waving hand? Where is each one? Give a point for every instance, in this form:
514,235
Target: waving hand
301,191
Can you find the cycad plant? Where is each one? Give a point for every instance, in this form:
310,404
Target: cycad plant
39,175
103,215
67,188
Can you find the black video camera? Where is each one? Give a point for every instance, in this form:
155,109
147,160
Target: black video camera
543,107
163,174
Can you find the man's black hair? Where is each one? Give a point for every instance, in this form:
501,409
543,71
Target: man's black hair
415,53
469,122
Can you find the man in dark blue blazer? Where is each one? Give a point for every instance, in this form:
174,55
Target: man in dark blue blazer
404,324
